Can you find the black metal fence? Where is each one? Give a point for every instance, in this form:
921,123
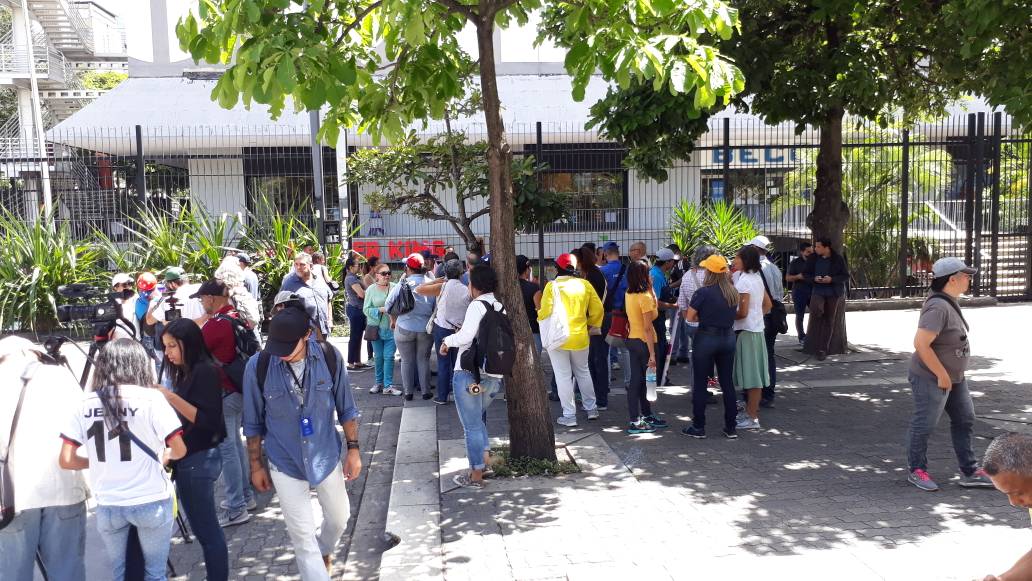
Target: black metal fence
960,186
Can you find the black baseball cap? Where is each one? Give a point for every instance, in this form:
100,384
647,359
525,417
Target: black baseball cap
211,288
285,330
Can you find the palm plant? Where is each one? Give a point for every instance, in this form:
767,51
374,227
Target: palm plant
36,257
719,224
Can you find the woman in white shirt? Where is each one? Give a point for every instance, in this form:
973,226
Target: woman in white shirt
130,427
452,300
750,374
472,407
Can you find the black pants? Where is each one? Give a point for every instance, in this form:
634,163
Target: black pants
598,365
801,300
637,404
357,322
823,310
770,335
711,348
661,346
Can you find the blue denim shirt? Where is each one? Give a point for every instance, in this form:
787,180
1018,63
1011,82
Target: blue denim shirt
276,414
611,270
415,320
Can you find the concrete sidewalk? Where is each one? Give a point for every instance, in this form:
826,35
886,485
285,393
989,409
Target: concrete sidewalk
819,493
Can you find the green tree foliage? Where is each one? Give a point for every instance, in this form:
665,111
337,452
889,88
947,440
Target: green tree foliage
381,65
102,80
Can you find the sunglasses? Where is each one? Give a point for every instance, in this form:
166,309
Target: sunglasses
384,273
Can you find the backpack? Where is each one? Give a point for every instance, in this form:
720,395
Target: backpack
329,354
494,347
246,346
404,302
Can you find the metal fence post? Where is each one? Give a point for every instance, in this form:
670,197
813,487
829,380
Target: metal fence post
969,191
541,226
318,179
904,223
979,186
727,160
994,206
141,170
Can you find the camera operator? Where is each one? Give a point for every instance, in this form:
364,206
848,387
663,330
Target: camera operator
220,338
129,328
177,285
49,503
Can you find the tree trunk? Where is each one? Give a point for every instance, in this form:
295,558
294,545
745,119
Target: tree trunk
530,425
830,212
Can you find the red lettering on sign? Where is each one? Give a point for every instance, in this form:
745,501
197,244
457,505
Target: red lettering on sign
396,249
368,249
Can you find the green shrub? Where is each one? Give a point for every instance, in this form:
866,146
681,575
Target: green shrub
720,224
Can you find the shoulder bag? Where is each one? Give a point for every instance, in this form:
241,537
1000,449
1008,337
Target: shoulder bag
555,330
777,318
619,328
6,480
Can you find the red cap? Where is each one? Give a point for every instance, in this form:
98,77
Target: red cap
565,262
146,282
415,260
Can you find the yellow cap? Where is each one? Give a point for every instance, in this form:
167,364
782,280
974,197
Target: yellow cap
715,263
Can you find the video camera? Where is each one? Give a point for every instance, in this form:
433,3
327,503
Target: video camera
173,311
107,311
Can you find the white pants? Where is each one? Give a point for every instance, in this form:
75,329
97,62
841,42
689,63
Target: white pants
566,365
311,541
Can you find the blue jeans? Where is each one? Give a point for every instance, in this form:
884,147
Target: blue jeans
236,469
195,487
445,365
153,522
383,358
56,533
709,348
472,410
681,342
929,403
357,326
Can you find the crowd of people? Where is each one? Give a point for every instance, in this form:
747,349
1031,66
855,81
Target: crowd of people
186,377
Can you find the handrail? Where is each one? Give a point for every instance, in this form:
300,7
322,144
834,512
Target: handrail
941,216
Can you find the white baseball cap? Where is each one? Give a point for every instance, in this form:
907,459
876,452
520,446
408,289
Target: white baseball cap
121,278
760,242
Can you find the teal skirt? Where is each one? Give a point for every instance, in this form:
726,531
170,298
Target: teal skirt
751,361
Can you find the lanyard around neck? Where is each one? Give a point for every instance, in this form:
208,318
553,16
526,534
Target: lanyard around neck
299,383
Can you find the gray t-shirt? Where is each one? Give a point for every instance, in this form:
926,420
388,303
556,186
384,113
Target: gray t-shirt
939,315
353,298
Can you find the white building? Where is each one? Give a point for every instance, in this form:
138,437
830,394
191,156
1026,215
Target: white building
227,159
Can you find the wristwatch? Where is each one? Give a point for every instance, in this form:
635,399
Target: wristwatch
352,444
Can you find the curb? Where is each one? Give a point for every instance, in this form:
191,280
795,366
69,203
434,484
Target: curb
900,304
414,509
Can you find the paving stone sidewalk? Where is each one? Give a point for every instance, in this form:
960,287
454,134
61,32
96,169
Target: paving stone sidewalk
819,493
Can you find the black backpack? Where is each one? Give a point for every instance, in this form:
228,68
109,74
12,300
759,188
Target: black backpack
329,354
246,346
494,347
404,302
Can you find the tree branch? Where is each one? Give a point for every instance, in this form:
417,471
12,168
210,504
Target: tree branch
359,16
481,212
463,9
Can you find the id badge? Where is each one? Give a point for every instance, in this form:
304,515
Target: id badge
306,427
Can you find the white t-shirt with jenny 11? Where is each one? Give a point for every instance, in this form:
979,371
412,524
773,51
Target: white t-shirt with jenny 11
122,474
751,284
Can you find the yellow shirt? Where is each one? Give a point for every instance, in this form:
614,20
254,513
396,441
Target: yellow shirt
636,304
582,305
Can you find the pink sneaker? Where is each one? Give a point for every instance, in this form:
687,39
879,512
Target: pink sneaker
922,480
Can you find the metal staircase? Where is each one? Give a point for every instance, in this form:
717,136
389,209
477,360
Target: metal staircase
64,26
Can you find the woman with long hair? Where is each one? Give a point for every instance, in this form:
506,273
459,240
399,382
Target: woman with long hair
750,374
196,395
354,291
598,349
383,343
134,432
642,309
713,308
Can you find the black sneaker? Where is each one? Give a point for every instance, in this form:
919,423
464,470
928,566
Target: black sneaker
640,427
553,397
408,397
428,395
692,431
767,403
730,434
656,422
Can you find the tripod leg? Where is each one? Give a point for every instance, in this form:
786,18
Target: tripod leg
183,529
89,363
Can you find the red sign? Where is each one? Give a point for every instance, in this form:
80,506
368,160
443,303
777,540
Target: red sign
397,249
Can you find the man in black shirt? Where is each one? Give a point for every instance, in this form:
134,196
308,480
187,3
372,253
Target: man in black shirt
826,270
801,290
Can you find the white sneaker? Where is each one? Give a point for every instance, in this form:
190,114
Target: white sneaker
568,422
748,423
376,389
391,391
252,505
593,414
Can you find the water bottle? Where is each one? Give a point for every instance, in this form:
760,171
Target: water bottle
650,384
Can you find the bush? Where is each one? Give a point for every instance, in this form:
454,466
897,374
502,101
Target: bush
721,225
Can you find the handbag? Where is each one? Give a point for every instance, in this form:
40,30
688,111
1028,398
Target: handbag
619,326
371,333
6,480
777,318
555,330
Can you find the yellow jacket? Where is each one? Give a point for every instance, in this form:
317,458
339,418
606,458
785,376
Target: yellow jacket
583,309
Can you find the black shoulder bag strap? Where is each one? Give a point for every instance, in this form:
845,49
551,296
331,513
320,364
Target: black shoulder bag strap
952,306
17,410
766,287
